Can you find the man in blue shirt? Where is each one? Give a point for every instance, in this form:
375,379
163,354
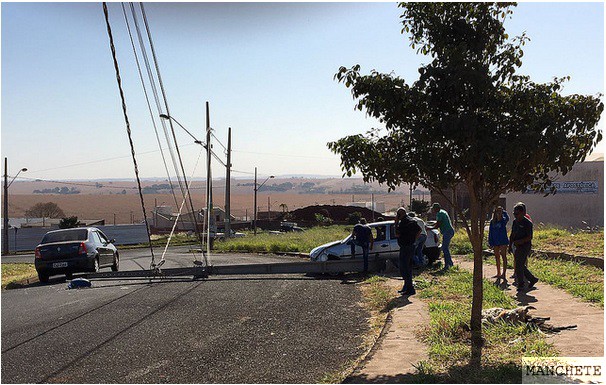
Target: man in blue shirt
362,236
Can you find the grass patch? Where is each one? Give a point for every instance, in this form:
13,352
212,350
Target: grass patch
15,272
302,242
565,241
545,238
448,334
582,281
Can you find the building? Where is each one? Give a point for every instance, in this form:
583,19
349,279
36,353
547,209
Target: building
164,219
374,206
578,202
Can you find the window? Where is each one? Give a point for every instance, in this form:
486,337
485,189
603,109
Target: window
66,236
381,233
96,237
103,237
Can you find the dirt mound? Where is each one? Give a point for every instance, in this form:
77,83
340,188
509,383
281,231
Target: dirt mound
334,212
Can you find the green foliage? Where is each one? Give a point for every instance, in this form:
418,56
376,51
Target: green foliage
69,222
354,217
469,113
419,206
321,218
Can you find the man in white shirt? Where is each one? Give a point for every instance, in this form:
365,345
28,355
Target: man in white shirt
418,259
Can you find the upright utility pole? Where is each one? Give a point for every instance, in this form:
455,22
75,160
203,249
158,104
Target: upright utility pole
5,215
228,187
209,181
255,206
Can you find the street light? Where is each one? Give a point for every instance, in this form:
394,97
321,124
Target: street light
255,208
6,186
167,117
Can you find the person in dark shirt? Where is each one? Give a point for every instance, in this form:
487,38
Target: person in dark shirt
521,238
407,231
361,236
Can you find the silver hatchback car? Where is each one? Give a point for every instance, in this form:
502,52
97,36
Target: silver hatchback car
385,245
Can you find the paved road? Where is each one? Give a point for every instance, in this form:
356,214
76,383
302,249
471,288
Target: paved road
246,329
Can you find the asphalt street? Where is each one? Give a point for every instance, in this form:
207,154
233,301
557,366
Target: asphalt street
241,329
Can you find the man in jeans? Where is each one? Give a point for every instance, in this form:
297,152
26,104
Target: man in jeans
361,236
445,226
407,231
420,242
521,237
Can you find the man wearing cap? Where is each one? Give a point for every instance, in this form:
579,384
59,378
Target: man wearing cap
445,226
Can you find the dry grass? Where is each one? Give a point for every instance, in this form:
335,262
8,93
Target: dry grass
104,206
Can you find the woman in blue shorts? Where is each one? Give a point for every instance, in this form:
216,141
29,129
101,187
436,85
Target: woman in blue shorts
497,238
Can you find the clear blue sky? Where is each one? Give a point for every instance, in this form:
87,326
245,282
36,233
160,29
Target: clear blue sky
266,69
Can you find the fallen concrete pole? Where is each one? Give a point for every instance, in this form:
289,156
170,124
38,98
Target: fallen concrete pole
328,267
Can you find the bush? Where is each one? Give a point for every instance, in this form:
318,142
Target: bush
354,218
69,223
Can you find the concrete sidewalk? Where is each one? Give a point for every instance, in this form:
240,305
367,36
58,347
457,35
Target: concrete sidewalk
587,340
397,350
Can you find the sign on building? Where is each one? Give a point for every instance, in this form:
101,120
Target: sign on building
573,187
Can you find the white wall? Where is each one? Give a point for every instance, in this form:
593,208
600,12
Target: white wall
567,209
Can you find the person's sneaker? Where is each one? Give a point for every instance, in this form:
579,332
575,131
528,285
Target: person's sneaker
410,292
532,283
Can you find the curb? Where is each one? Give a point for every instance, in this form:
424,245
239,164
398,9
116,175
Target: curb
592,261
373,348
19,284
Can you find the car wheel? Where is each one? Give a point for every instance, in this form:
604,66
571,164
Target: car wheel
69,275
116,264
43,278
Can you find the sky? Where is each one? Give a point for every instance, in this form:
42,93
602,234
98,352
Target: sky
266,70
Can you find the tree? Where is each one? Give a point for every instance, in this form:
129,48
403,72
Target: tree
69,223
354,218
419,206
45,210
469,119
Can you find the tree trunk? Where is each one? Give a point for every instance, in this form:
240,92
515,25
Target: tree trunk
476,238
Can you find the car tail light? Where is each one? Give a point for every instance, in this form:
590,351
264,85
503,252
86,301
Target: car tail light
82,248
37,253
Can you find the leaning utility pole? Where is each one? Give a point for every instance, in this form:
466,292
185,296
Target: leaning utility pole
228,187
209,187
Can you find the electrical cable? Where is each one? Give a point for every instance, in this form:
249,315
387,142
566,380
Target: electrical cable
128,131
151,44
147,101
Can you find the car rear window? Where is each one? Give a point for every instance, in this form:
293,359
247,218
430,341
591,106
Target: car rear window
65,236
